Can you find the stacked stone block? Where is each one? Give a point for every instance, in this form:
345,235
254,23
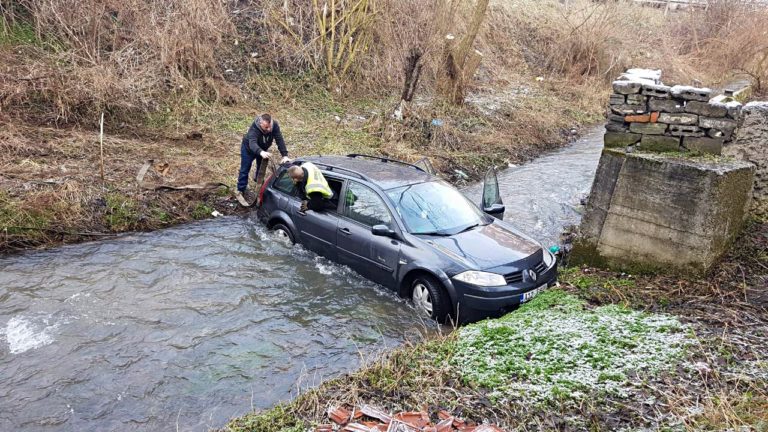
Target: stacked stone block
646,115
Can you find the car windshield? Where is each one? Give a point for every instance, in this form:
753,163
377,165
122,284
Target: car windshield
435,208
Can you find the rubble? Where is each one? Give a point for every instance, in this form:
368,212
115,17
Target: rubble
644,114
367,418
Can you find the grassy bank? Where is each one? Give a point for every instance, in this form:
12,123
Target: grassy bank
606,351
53,191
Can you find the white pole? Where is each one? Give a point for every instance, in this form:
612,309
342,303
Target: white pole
101,147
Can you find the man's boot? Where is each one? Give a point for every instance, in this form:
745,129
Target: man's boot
241,199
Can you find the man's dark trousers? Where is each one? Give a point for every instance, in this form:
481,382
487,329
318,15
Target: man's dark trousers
246,161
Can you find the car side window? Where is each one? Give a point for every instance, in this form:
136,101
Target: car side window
284,184
363,205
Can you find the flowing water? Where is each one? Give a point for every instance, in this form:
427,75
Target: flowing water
544,196
185,328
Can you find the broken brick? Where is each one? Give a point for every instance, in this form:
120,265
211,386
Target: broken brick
654,117
443,414
375,413
356,427
487,428
446,425
339,415
640,118
398,426
415,419
324,428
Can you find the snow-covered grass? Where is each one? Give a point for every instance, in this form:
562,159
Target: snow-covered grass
557,348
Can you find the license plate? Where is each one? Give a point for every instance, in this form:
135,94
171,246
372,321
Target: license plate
524,297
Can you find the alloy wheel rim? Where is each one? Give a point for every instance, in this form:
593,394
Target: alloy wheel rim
421,299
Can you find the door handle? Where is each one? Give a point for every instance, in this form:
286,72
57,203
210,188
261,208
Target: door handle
345,231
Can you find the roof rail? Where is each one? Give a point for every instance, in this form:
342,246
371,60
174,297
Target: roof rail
329,167
383,159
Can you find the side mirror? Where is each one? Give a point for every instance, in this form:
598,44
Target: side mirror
495,210
382,230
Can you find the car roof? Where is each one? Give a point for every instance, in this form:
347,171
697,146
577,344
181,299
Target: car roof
387,174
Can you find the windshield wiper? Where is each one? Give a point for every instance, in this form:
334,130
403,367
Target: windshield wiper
468,228
434,233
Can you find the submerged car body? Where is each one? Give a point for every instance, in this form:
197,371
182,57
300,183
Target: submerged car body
402,227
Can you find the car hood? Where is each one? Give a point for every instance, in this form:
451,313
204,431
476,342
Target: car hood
486,246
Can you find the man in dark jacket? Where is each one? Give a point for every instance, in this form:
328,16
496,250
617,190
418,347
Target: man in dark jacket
255,146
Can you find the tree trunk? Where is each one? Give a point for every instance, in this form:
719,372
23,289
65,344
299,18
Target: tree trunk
413,67
460,62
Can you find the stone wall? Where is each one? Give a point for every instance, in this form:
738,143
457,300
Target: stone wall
644,114
751,144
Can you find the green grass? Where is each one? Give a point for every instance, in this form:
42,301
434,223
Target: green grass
121,213
202,211
20,33
555,348
16,220
17,33
276,419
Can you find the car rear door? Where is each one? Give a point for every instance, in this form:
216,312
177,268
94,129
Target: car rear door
375,257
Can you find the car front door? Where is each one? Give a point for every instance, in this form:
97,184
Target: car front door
375,257
491,202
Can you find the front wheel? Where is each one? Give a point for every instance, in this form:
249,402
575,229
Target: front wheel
284,233
430,298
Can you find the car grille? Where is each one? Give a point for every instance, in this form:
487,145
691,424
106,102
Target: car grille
516,277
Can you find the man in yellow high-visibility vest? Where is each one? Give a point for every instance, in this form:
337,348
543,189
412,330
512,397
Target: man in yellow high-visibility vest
312,186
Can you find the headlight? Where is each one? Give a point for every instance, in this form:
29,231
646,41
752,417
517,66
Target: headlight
481,278
549,259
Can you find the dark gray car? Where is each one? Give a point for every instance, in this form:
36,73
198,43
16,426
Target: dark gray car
406,229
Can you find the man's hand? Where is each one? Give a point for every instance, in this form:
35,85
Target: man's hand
304,206
285,160
265,155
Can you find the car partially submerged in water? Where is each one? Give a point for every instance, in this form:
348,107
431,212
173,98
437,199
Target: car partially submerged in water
401,226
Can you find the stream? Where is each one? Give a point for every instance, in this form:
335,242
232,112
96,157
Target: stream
187,327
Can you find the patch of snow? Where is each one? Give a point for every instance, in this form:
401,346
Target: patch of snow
541,353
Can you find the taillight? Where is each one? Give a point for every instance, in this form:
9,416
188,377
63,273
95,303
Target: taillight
263,188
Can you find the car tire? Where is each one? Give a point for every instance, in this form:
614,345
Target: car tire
430,298
284,232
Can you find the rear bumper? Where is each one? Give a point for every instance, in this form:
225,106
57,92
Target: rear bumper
476,303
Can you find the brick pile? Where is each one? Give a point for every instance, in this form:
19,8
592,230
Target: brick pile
646,115
367,418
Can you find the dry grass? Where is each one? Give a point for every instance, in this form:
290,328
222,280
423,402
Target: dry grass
121,57
730,36
51,191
